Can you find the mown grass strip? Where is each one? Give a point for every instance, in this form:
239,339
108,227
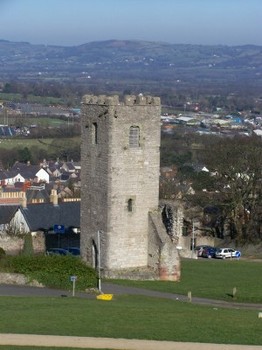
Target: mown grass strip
130,317
212,279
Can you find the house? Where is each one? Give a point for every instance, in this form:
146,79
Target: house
42,176
41,221
36,195
9,195
6,214
10,177
31,172
10,241
44,217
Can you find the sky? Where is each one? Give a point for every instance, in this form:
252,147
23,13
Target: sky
76,22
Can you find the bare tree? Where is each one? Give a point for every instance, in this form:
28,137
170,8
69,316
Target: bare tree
237,167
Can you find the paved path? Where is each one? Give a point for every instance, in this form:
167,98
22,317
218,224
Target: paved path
109,343
15,290
118,289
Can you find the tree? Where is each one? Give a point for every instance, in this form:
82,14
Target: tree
237,166
24,155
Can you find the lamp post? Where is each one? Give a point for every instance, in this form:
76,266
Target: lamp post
193,240
99,260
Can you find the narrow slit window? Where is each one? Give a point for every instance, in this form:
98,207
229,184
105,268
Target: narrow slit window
94,133
134,137
130,205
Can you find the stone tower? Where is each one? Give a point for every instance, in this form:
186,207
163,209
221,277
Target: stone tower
120,181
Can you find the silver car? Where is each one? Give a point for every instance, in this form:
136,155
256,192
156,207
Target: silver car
223,253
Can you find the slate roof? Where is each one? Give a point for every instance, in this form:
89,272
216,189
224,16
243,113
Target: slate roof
45,215
6,213
8,174
28,171
32,194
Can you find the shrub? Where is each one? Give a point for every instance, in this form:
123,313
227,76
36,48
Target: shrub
2,252
54,271
28,245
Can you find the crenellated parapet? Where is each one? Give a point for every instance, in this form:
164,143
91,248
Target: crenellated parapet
129,100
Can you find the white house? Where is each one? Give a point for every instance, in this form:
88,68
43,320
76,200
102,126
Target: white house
42,175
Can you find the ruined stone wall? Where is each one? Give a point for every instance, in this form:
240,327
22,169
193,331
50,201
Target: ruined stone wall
163,254
13,245
120,183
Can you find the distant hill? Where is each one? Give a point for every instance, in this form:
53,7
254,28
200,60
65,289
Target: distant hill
134,64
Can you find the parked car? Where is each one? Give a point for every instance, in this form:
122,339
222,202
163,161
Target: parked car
57,251
209,252
73,250
200,248
223,253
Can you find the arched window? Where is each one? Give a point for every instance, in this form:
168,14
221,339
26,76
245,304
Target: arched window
130,205
94,255
94,133
134,136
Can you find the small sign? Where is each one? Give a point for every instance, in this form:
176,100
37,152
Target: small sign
59,229
73,278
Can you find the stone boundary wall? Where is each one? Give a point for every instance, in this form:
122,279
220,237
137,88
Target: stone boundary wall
13,245
17,279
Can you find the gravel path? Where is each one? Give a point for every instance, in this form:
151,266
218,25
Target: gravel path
109,343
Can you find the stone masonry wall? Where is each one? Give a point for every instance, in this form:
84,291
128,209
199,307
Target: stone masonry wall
13,245
114,173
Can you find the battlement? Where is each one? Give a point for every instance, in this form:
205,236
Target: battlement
129,100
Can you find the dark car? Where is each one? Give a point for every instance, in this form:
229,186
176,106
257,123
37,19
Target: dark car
57,251
200,248
209,252
73,250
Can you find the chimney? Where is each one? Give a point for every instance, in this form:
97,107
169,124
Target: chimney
54,197
24,200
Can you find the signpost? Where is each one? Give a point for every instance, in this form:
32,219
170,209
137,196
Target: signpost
73,279
59,229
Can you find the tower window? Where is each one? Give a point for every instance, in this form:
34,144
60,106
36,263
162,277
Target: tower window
134,136
130,205
94,133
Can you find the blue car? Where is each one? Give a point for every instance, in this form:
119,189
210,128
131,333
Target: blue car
209,252
57,251
73,250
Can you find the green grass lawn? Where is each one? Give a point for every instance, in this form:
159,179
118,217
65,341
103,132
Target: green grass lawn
40,121
213,279
130,317
29,143
16,142
143,317
45,100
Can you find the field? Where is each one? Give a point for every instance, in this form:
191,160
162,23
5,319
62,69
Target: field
40,121
137,317
45,100
44,143
213,279
142,317
12,143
